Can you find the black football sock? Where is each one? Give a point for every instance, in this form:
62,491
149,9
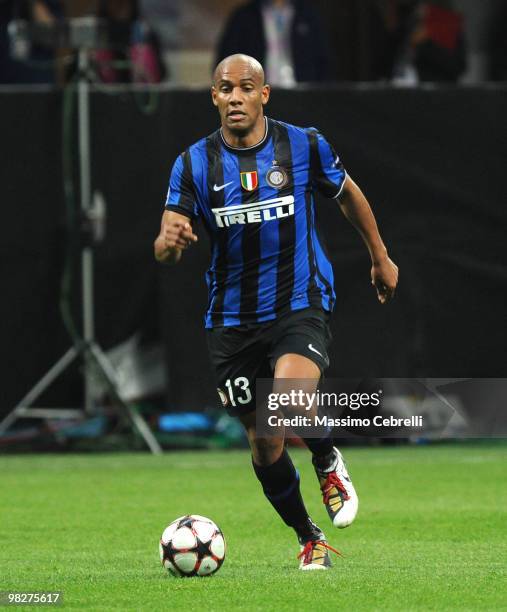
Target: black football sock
280,482
321,449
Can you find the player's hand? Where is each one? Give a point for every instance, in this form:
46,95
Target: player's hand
384,277
178,235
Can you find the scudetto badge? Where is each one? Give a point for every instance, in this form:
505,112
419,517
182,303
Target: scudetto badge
277,177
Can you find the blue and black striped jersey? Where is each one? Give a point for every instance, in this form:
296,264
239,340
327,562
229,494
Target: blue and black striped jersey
257,205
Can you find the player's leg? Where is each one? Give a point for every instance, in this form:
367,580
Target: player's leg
314,548
238,356
301,368
301,353
279,478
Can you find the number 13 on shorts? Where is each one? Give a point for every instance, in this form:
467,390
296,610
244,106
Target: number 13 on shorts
239,390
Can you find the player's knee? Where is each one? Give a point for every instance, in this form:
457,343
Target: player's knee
266,451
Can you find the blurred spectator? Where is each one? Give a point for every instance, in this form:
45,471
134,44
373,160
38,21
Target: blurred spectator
285,36
389,28
134,52
424,42
22,61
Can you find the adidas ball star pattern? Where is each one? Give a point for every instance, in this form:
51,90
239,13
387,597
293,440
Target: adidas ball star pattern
192,545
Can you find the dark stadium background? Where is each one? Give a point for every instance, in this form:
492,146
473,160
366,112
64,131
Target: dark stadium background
431,161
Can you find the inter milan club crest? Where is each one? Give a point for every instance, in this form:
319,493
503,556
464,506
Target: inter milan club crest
249,180
277,176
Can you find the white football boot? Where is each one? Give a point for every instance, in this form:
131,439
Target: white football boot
314,555
313,549
338,493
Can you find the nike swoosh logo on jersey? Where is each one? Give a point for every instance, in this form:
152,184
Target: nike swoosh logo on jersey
219,188
315,350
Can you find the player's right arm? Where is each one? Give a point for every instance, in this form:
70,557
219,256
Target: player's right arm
176,233
175,236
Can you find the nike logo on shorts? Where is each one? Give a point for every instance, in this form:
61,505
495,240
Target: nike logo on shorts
312,348
219,188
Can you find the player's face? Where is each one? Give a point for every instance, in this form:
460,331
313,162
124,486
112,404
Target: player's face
239,94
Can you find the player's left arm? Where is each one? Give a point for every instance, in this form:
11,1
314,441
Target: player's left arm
384,272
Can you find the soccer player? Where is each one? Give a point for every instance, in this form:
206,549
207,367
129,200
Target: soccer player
270,283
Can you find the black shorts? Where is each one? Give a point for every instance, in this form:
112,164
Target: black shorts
243,353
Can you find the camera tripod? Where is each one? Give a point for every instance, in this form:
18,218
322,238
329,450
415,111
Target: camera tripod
95,361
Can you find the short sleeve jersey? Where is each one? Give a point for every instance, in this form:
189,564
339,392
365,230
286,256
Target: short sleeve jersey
257,205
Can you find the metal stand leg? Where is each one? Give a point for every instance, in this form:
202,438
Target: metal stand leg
136,419
23,408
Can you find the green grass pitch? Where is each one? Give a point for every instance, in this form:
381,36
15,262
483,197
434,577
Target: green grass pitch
430,534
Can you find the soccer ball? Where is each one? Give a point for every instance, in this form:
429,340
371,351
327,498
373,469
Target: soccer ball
192,545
